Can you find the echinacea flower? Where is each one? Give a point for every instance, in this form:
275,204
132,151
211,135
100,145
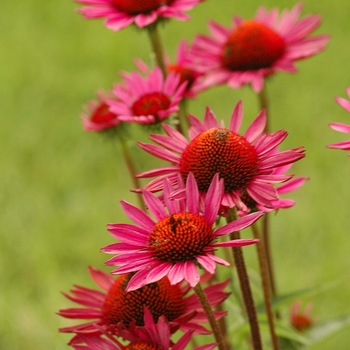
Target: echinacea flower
341,127
184,67
153,336
121,13
147,100
178,241
301,320
97,116
250,50
114,307
244,162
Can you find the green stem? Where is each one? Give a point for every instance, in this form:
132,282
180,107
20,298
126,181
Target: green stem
267,247
263,104
211,318
132,170
157,47
245,285
183,115
265,285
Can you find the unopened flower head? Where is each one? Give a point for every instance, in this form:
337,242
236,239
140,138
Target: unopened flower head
244,162
341,127
121,13
114,308
179,241
251,50
147,100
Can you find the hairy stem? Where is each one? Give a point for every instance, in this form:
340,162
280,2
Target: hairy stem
245,286
211,318
265,286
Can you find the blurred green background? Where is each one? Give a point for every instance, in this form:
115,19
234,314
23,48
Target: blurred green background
60,186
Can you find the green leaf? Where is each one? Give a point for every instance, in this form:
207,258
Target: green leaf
284,299
325,329
283,331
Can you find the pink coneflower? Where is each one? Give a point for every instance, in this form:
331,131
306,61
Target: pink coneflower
299,319
178,241
121,13
250,50
147,100
153,336
244,162
183,66
113,306
340,126
97,116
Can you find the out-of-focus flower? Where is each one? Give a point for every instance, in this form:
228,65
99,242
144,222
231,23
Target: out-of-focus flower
299,319
345,145
121,13
113,308
97,116
251,50
244,162
183,66
179,241
147,100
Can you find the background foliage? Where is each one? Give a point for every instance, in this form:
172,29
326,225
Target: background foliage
60,186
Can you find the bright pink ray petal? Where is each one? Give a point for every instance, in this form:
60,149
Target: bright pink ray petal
192,194
239,224
137,215
155,205
213,199
256,127
236,118
159,152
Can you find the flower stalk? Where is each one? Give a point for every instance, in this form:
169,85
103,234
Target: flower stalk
157,47
131,169
264,104
222,345
245,285
265,285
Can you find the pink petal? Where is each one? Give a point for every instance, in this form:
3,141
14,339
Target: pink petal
236,118
137,215
239,224
256,127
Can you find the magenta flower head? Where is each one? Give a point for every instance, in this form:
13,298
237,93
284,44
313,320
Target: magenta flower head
147,100
121,13
153,336
180,239
251,50
112,308
341,127
245,163
184,66
97,116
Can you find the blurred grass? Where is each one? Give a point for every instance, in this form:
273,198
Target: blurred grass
60,186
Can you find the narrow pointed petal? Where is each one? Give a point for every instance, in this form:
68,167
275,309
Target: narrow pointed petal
239,224
256,127
236,118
